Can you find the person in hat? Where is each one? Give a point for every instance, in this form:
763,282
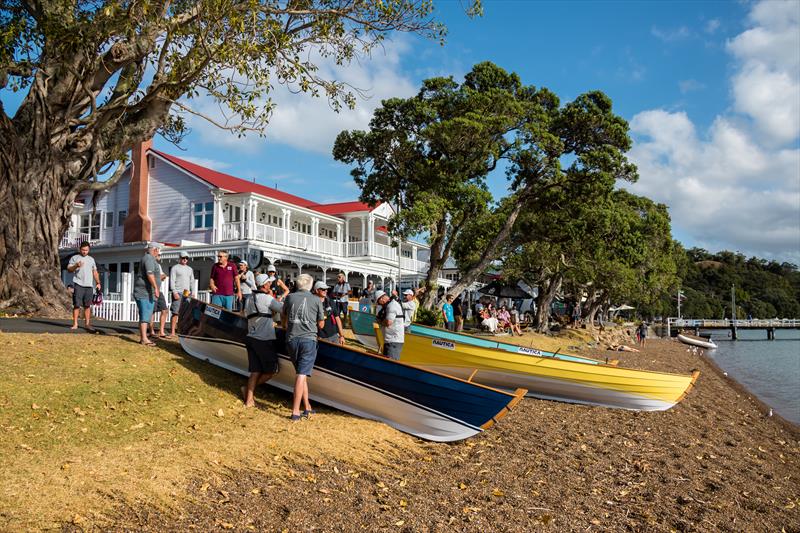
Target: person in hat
279,288
85,279
332,330
262,356
392,323
224,282
302,317
181,282
247,282
146,290
409,306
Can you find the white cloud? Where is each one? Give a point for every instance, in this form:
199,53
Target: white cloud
712,26
737,185
687,86
208,163
672,35
310,124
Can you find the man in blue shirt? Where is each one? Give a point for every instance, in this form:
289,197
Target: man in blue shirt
448,314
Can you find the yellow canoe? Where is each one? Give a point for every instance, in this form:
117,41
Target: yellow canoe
549,378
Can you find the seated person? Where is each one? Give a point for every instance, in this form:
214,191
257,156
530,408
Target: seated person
503,318
515,329
488,320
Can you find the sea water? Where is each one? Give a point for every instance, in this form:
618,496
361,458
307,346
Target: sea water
769,369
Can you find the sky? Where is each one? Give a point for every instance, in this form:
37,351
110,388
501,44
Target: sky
711,91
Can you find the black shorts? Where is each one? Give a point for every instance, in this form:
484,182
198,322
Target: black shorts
261,356
161,303
82,297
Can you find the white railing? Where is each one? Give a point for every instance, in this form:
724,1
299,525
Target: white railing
384,252
301,240
74,239
267,233
330,247
356,249
121,307
232,231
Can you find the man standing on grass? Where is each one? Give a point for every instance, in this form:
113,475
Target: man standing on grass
302,317
145,290
392,323
262,358
447,314
224,282
84,270
161,306
181,282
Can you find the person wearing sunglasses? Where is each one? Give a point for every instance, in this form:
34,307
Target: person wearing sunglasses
224,282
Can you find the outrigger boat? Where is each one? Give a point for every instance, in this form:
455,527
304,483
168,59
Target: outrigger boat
362,327
424,403
547,377
693,340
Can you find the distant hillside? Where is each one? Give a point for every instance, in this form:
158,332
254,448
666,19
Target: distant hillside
764,289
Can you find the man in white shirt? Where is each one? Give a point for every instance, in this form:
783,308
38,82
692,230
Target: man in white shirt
409,306
341,294
181,282
84,270
390,319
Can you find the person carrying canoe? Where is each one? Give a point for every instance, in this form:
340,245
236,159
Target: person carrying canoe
262,357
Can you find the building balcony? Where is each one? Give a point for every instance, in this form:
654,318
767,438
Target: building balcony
236,231
73,239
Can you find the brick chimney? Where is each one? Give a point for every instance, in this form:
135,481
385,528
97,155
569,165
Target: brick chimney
137,223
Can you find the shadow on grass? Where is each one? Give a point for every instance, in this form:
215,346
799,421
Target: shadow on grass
63,327
220,378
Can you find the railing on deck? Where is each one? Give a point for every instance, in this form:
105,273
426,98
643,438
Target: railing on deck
74,239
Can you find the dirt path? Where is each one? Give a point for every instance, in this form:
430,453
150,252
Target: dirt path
713,463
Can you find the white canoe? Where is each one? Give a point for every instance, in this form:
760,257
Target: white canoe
697,341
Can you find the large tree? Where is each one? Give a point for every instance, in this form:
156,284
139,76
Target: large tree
432,154
101,76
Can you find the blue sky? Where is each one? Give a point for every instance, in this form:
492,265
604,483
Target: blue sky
711,90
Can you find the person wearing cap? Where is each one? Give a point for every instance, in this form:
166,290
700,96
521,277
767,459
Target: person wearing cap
392,323
224,282
246,281
409,306
262,356
181,283
146,291
332,330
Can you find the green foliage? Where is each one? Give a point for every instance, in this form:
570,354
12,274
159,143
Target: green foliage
764,289
429,317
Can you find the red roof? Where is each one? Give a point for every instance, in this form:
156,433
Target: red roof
238,185
343,207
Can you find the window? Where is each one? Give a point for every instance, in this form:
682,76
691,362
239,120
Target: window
302,227
406,253
152,161
203,215
121,216
233,213
275,220
90,224
109,219
327,233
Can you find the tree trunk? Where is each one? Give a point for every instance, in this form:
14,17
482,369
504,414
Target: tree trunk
35,215
547,292
595,306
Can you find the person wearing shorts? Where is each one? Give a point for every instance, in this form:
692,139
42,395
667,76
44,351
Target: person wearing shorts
392,323
302,317
84,281
262,357
224,282
146,291
181,282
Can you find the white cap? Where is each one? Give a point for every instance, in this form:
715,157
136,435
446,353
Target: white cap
320,285
243,262
408,291
271,268
261,280
379,294
184,254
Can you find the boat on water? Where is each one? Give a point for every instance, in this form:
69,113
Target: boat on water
423,403
362,327
694,340
546,377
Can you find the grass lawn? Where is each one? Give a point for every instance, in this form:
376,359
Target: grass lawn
88,423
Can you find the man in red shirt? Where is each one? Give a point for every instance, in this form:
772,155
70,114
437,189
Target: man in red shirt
224,278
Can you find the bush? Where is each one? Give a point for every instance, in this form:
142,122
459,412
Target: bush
428,317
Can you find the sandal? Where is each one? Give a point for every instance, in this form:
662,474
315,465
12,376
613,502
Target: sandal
148,343
296,418
308,412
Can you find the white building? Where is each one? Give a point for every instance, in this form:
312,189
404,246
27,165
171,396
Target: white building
190,207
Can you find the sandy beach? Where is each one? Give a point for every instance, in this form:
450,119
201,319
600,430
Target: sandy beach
122,438
713,463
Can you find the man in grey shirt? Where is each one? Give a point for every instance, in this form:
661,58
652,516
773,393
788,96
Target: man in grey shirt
302,316
262,358
392,322
84,270
181,283
145,289
247,282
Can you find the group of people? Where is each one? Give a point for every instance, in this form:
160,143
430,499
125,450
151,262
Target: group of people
499,319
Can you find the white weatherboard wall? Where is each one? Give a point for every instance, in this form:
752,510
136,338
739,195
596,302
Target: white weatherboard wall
172,193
